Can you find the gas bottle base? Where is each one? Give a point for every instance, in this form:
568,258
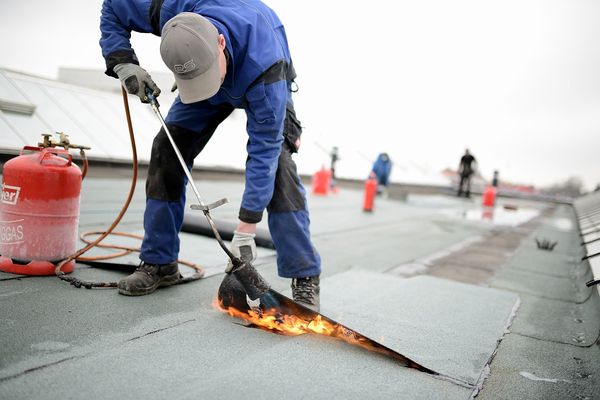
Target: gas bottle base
35,267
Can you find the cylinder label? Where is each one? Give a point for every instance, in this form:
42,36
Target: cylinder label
11,232
10,194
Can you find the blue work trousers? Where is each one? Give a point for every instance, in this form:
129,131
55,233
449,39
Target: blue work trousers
192,126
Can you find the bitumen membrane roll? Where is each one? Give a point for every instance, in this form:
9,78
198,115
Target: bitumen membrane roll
231,294
195,222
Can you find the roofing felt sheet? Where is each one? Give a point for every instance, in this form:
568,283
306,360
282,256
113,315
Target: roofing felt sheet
546,286
452,332
558,320
528,368
204,354
550,263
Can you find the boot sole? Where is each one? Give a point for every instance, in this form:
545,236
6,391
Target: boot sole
314,307
164,282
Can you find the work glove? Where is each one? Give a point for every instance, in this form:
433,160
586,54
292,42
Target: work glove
136,79
242,246
264,303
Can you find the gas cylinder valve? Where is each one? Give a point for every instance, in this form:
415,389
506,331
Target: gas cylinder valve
63,142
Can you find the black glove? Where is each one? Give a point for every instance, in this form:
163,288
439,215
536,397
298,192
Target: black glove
136,79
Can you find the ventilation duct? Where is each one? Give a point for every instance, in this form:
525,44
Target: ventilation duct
16,107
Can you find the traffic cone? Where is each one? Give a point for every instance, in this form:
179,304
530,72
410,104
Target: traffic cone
489,196
370,192
321,181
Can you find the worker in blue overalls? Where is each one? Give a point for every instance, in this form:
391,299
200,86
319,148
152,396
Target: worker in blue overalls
381,170
224,55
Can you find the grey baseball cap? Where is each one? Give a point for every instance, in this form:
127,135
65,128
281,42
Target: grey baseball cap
189,47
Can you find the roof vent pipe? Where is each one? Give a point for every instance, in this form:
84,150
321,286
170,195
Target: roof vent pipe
16,107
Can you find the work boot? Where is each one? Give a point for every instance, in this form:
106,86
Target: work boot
306,292
148,277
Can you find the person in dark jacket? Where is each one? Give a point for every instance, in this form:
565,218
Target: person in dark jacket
224,55
495,179
334,159
466,168
382,168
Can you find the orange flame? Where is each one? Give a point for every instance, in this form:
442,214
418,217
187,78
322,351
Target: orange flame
284,324
292,325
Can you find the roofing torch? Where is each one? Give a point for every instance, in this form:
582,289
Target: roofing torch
254,284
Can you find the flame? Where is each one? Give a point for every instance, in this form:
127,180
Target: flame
290,325
293,325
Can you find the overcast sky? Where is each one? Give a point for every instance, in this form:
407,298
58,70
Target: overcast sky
517,82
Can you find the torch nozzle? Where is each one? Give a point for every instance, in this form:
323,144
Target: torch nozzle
253,283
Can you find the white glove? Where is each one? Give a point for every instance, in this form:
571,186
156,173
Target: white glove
135,79
242,246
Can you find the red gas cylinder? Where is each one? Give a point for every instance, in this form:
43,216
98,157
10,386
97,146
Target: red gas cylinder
321,181
489,196
370,192
39,211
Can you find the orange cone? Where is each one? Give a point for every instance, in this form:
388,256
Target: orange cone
489,196
321,181
370,191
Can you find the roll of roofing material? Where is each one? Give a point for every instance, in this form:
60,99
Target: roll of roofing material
195,222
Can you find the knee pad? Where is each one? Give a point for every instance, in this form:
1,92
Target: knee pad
165,173
287,194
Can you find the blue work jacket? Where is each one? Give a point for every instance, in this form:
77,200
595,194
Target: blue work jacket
258,79
382,168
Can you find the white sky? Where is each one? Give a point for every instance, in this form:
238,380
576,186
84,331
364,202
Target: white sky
516,81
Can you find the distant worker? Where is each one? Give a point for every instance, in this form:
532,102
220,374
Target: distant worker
466,168
334,159
381,170
495,179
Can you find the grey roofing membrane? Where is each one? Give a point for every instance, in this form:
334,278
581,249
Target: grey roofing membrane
452,332
526,328
559,321
527,368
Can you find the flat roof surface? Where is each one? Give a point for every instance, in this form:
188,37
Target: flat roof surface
439,279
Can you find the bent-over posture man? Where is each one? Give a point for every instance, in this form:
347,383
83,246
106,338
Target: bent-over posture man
224,55
382,168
